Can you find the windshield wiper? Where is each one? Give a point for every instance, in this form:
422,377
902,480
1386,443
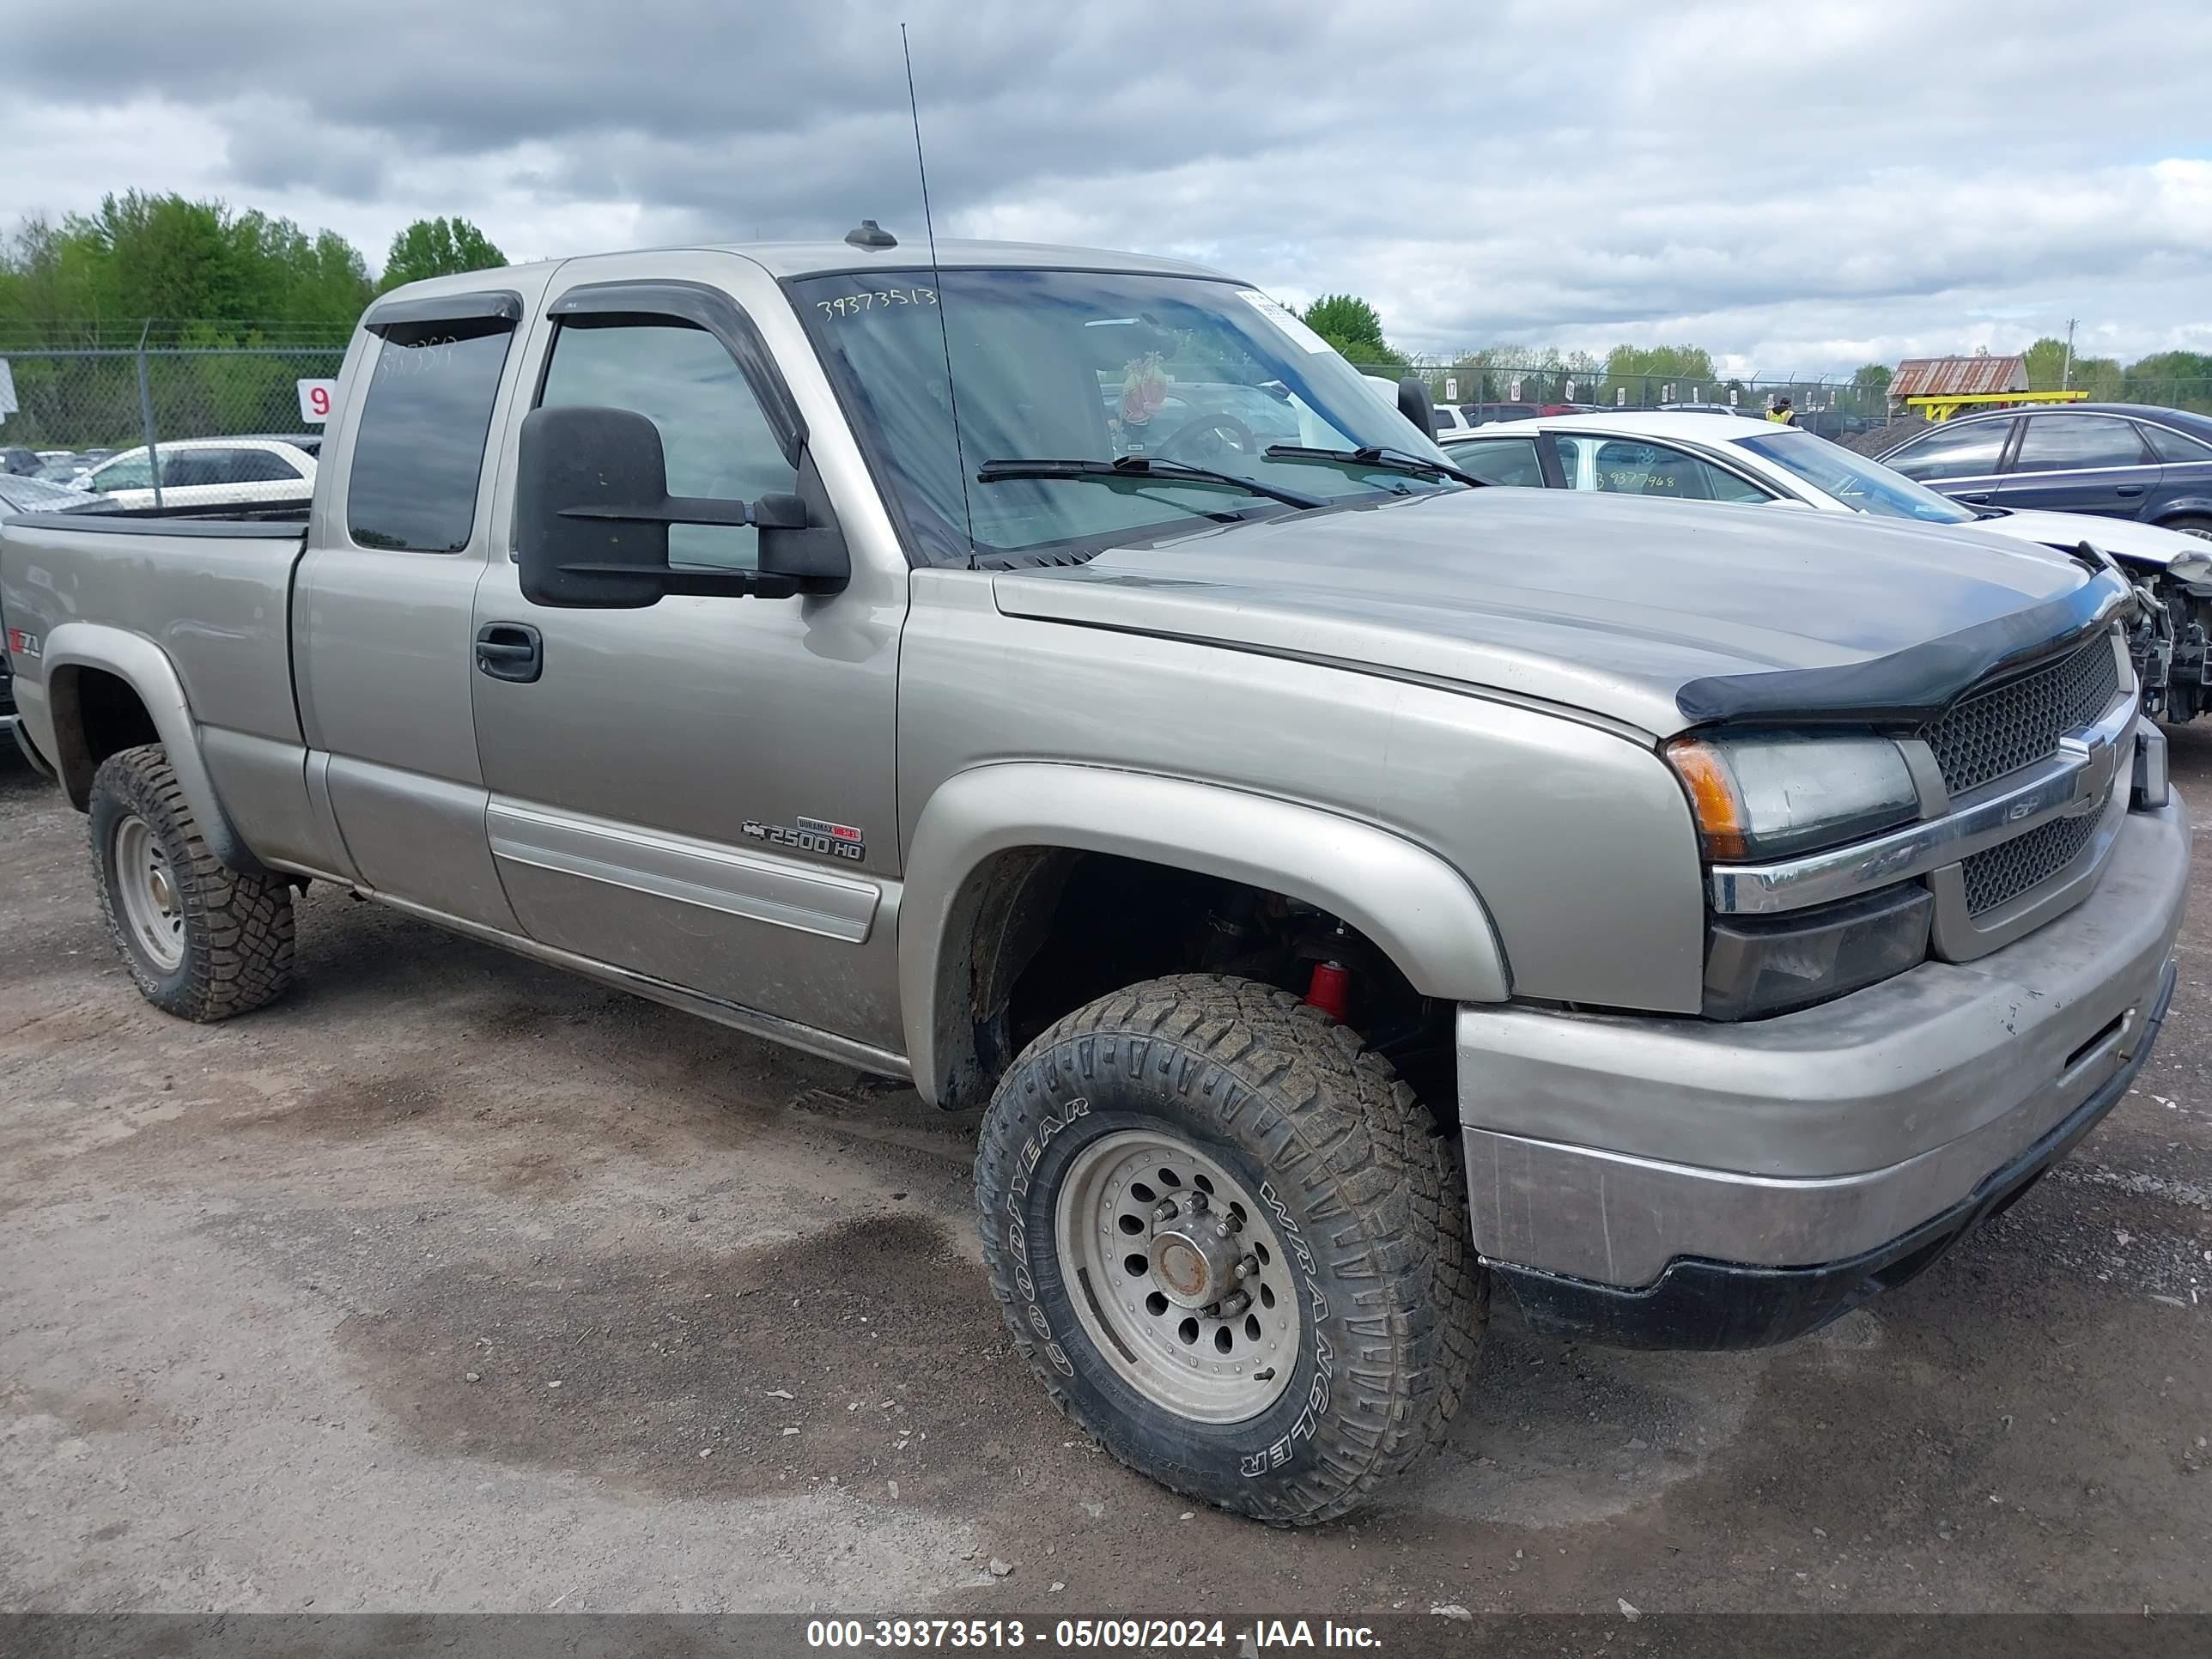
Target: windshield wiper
1373,455
1138,469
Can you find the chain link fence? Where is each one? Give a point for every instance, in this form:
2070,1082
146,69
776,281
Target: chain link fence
1495,390
1830,405
184,415
166,421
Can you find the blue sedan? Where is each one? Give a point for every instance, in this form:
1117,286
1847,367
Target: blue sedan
2124,460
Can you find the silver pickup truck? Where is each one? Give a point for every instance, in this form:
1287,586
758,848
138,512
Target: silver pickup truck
1056,678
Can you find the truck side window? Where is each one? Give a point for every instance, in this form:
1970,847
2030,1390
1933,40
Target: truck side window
714,436
418,456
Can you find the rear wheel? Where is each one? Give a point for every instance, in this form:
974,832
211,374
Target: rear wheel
203,942
1232,1245
2192,523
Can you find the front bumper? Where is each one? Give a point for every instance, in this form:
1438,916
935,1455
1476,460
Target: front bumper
1674,1182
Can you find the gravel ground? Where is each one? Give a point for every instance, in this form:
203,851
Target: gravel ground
452,1283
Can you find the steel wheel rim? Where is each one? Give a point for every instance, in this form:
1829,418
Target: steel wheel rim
1208,1363
153,910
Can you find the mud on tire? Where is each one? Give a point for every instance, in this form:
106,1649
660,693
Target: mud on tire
235,934
1356,1184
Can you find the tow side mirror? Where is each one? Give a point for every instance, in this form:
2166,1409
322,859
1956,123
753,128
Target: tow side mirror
1415,404
593,511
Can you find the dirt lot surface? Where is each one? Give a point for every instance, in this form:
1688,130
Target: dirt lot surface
452,1283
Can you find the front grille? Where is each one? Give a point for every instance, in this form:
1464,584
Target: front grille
2005,871
1989,734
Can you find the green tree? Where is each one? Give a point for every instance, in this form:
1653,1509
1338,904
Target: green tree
95,278
437,247
1353,327
2177,379
1870,393
2046,363
1645,373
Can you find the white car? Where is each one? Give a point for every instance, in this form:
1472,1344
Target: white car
1730,458
1727,457
196,473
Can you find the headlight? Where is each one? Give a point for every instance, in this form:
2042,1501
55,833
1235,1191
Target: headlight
1783,792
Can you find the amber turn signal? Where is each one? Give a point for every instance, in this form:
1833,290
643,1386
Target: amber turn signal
1714,803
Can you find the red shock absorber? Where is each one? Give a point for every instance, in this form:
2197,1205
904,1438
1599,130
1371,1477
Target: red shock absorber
1330,989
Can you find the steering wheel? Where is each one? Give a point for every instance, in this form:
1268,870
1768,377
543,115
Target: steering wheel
1206,438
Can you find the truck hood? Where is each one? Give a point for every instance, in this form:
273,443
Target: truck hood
1662,614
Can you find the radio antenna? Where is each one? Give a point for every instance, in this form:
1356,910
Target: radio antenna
937,275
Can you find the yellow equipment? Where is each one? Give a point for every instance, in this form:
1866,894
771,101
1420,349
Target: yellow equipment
1942,406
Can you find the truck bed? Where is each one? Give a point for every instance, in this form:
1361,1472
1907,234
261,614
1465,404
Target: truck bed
214,594
213,597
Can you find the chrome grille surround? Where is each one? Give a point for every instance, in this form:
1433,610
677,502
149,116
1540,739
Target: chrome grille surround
2082,776
2017,721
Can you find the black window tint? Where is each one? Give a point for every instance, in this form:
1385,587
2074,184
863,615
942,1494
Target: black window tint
1500,461
2060,443
419,452
2170,445
715,438
261,466
185,469
1952,452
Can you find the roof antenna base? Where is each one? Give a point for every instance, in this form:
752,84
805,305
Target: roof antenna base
869,234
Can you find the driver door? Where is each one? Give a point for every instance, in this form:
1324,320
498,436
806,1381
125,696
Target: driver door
699,791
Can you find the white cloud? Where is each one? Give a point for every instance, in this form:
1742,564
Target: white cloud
1794,187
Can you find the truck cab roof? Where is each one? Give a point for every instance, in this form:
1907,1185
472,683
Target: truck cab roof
787,261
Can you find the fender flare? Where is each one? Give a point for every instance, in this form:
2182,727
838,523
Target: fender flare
1416,909
146,669
2185,506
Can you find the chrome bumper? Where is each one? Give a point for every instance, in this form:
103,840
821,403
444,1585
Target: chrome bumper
1604,1147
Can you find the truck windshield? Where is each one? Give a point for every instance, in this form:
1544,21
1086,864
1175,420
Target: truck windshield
1862,485
1095,367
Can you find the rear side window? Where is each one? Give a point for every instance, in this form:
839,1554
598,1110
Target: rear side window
189,469
1510,461
419,452
2170,445
2060,443
261,466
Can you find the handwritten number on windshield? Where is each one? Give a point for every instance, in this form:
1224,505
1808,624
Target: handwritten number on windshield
876,299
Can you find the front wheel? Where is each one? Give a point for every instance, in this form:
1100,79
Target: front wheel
1232,1245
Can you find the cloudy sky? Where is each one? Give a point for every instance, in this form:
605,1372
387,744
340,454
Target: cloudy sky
1796,187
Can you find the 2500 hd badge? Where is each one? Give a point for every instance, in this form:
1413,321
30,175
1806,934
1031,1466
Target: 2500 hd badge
837,841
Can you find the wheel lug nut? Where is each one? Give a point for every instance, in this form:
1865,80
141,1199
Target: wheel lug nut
1222,1230
1165,1212
1198,1203
1248,1268
1233,1304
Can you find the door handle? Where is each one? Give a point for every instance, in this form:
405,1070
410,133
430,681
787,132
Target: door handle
2127,490
1975,497
510,651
